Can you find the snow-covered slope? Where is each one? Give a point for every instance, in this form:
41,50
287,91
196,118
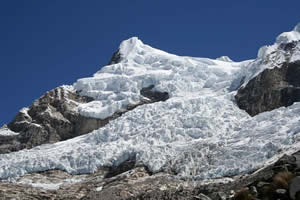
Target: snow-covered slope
271,56
116,86
198,132
4,131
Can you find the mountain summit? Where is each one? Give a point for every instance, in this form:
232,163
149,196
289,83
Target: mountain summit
173,116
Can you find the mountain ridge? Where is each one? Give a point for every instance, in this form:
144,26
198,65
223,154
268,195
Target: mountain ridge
171,114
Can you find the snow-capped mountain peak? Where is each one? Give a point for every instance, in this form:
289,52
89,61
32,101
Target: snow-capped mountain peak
297,28
283,38
288,37
196,130
130,46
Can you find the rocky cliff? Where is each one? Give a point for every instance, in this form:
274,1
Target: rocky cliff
49,119
275,87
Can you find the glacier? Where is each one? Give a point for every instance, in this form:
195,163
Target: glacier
199,132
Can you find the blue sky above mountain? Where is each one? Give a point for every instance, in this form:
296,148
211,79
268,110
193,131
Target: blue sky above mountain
47,44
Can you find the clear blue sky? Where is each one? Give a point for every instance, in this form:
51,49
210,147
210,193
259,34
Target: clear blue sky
44,44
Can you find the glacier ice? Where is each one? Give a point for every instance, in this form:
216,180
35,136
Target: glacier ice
291,36
198,132
224,58
4,131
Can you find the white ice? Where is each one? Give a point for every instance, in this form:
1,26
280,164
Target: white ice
224,58
291,36
46,184
4,131
272,56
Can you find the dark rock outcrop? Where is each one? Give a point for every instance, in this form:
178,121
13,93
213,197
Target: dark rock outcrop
273,88
116,58
153,95
49,119
294,188
123,167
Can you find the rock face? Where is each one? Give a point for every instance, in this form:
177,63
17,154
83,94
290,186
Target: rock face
49,119
273,88
154,96
295,188
116,58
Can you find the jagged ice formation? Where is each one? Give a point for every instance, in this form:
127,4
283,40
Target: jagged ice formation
198,132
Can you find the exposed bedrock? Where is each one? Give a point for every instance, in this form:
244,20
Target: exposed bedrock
116,58
50,119
271,89
154,96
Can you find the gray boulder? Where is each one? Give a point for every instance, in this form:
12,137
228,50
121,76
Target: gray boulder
294,188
